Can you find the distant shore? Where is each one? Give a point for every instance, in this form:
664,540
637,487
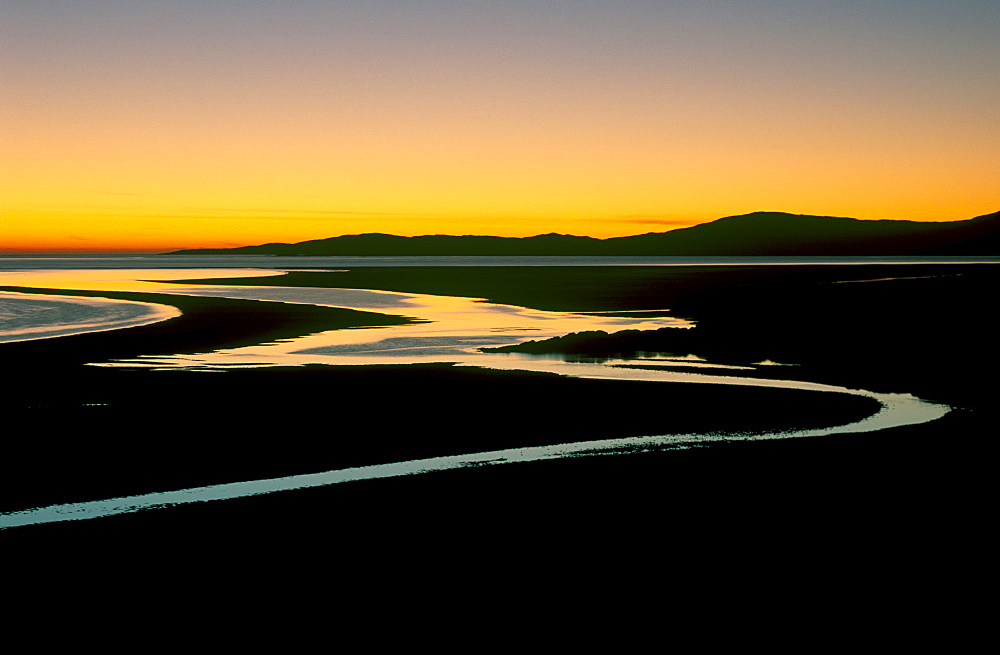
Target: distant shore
754,234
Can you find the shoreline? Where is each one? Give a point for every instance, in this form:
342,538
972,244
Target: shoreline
203,324
127,397
881,420
104,315
232,441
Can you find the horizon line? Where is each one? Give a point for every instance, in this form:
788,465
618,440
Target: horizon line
140,251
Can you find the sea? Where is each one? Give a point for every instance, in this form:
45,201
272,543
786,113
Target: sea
62,262
25,315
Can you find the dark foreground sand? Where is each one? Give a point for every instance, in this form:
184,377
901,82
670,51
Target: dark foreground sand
888,498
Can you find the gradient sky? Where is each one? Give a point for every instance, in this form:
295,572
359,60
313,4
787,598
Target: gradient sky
166,124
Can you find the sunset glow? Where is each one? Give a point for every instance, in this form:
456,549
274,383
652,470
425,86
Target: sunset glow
164,125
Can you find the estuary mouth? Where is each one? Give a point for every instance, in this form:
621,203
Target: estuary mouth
456,331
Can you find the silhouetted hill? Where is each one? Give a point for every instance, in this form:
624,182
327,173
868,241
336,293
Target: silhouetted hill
758,233
388,245
776,233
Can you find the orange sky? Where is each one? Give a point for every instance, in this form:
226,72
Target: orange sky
156,126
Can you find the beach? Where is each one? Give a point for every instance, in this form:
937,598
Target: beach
100,432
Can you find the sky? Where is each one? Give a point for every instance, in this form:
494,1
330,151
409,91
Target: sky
155,125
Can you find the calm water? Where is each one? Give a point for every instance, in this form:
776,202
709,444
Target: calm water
452,330
38,317
27,316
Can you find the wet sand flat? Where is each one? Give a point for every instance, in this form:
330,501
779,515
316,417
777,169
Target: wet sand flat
172,429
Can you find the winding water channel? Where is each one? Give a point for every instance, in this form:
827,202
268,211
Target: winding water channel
449,329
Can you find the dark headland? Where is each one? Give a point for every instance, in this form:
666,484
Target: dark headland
755,234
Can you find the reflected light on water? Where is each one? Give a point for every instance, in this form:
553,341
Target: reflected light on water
139,279
446,328
25,317
452,331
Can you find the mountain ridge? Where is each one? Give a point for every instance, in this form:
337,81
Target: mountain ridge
753,234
